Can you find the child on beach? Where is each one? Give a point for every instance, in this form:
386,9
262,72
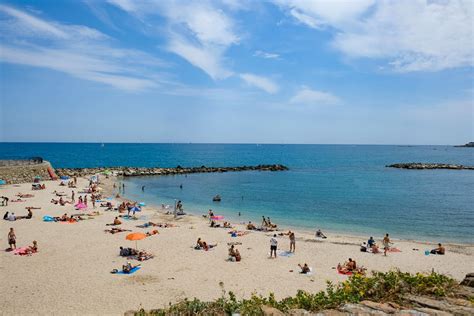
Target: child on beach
12,239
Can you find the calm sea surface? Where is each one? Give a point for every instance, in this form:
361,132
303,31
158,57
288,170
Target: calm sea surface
343,188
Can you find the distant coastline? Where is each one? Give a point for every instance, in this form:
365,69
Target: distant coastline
470,144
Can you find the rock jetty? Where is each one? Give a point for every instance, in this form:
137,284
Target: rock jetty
470,144
157,171
421,165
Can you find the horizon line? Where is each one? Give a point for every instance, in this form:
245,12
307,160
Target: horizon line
220,143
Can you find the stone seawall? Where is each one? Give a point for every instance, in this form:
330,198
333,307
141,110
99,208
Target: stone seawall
155,171
420,165
22,173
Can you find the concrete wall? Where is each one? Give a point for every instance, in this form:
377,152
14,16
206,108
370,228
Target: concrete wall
25,172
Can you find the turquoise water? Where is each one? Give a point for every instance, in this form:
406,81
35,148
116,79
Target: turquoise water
342,188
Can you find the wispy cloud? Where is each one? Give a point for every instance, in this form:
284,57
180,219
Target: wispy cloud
307,96
410,35
260,82
77,50
199,32
266,55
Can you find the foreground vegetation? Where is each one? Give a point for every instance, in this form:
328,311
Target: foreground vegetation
379,287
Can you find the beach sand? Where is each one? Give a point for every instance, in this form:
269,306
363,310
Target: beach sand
71,272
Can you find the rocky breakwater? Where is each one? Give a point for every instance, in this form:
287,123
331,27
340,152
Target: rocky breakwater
14,172
157,171
420,165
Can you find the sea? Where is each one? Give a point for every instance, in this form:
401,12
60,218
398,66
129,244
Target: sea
337,188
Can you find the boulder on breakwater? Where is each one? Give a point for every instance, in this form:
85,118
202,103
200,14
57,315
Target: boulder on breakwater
155,171
421,165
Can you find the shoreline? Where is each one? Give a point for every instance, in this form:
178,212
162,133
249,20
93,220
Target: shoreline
355,238
302,230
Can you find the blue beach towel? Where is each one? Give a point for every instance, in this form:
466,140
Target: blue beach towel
132,271
285,254
48,219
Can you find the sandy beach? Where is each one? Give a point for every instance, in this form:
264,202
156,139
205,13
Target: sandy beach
71,272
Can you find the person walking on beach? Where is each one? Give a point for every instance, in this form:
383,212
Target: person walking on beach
386,244
292,241
73,196
273,246
12,239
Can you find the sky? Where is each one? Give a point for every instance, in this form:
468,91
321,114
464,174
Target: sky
275,71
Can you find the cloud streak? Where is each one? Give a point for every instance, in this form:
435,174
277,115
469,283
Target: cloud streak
409,35
76,50
260,82
307,96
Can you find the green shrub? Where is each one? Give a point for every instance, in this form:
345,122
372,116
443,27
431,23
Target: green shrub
379,287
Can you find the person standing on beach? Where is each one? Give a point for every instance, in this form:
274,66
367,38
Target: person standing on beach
143,188
273,246
386,244
292,241
12,239
73,196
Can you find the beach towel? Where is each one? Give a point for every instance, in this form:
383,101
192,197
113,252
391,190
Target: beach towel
131,218
394,250
48,218
310,271
344,273
132,271
23,251
282,253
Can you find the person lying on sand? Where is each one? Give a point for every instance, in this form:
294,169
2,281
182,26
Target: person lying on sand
439,251
30,215
21,195
115,230
18,200
304,268
319,234
126,268
76,217
115,223
151,233
143,255
127,252
251,226
200,244
227,225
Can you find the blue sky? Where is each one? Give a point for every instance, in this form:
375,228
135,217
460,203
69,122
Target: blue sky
282,71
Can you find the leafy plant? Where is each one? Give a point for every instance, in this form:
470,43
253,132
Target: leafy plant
379,287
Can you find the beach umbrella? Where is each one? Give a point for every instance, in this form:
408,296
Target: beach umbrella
135,209
136,237
80,206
